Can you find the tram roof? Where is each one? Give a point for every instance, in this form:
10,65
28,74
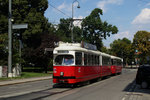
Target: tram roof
104,54
114,57
74,47
78,47
70,48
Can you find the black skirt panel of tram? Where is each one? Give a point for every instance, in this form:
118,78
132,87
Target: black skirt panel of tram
64,77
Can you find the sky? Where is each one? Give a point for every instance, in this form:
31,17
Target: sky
129,16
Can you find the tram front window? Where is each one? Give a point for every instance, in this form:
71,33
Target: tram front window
64,60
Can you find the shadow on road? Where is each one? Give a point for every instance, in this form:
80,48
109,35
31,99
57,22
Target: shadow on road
133,87
30,96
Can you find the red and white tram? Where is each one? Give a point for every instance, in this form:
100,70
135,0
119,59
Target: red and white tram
116,66
79,62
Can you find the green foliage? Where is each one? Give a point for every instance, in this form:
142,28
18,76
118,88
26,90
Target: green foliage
32,13
36,56
24,11
94,29
64,30
3,49
141,43
31,74
3,16
124,49
106,50
77,33
27,75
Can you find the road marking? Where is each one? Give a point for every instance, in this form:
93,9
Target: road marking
123,98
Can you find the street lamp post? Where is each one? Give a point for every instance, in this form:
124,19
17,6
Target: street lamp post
10,41
72,18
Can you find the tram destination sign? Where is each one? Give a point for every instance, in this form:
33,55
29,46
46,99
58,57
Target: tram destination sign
88,46
19,26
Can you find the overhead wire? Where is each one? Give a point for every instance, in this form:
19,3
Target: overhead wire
59,10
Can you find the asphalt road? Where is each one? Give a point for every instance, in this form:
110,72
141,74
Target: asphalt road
112,88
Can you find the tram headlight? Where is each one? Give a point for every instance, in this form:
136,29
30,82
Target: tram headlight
61,73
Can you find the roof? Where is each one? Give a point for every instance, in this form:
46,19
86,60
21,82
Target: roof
74,47
114,57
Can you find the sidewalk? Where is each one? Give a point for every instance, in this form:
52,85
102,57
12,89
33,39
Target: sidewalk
137,93
18,81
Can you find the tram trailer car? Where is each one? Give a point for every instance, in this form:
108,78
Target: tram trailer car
116,65
75,62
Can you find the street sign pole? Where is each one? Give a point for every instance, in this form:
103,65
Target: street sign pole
10,41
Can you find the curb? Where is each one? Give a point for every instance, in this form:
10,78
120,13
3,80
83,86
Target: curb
5,83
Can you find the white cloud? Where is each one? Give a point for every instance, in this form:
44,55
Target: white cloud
102,4
65,7
148,4
143,17
62,6
121,35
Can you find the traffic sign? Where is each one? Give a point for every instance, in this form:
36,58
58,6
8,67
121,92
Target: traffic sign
19,26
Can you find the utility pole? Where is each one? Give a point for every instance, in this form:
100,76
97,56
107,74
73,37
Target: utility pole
10,40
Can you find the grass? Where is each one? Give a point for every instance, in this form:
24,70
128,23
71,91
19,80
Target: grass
32,74
28,75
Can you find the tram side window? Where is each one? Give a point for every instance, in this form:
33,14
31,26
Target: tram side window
93,59
85,59
89,58
98,60
119,63
112,63
78,56
105,61
115,62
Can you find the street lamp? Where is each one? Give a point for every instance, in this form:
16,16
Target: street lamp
10,40
72,17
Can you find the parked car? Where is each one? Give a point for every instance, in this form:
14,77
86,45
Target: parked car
143,76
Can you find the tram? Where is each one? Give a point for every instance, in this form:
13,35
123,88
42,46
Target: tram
79,62
116,65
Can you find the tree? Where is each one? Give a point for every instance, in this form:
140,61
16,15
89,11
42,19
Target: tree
94,29
141,44
64,31
24,11
3,32
123,48
37,56
3,49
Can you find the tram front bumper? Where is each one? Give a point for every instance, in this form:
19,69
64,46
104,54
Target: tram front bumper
62,79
